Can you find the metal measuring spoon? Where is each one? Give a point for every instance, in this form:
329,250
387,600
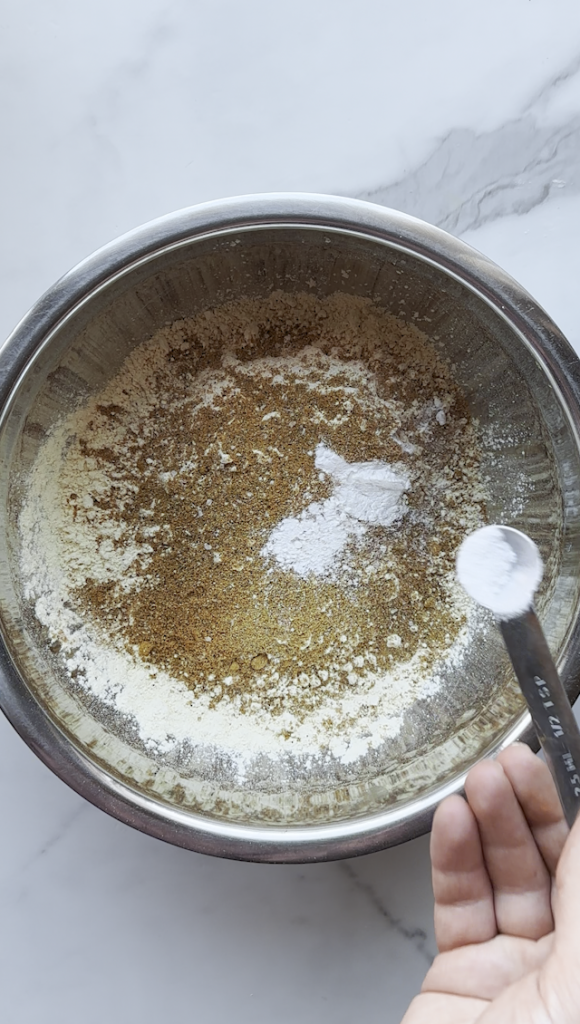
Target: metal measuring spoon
501,568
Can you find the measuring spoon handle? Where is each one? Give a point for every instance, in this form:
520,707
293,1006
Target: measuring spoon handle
552,715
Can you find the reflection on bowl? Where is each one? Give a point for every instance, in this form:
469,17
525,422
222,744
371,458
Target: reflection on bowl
519,379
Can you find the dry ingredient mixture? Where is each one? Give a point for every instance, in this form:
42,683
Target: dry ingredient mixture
246,541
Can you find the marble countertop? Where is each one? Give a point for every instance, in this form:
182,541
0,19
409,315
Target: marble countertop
467,115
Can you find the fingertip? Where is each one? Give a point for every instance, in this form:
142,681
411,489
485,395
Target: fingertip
537,796
453,814
454,827
518,756
453,807
485,783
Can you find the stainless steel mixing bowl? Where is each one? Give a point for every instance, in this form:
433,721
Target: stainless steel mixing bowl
522,382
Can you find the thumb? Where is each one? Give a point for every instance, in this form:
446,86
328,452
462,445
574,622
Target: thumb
567,888
561,972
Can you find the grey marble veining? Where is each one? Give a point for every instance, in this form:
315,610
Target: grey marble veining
474,177
418,937
106,914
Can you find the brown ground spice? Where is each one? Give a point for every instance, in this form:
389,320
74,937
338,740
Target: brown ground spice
223,449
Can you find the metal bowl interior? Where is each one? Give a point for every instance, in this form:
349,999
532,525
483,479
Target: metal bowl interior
519,378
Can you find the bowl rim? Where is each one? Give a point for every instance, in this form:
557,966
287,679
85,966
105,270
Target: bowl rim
509,301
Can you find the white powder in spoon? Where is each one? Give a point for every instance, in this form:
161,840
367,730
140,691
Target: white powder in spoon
501,569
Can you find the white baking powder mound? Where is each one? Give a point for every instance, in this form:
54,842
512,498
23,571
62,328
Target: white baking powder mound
365,494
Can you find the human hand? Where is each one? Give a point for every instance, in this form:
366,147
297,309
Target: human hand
506,880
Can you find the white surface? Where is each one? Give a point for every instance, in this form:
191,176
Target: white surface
114,113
